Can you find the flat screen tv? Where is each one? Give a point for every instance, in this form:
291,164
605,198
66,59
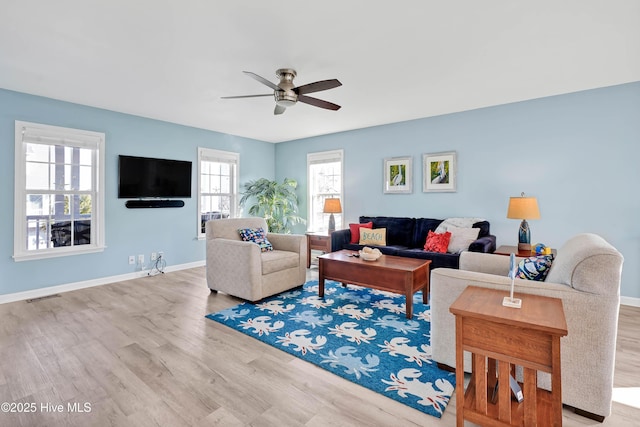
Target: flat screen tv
141,177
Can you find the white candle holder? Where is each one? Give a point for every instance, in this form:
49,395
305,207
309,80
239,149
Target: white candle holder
510,301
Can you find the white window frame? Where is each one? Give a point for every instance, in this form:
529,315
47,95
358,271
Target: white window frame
210,154
324,157
26,132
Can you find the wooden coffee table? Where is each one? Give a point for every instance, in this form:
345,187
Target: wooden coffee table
388,273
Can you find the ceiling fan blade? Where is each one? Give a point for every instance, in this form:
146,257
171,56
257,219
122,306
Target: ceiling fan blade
262,80
279,109
245,96
318,102
317,86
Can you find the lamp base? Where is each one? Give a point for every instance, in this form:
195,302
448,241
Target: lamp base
332,224
524,247
524,236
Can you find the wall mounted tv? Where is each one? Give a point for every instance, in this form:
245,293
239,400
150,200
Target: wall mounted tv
142,177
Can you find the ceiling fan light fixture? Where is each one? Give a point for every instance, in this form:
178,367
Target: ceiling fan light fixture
285,99
286,103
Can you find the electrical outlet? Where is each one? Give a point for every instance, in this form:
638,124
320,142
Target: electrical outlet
153,256
132,259
161,254
141,259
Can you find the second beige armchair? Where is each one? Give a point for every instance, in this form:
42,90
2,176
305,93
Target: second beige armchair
241,269
586,276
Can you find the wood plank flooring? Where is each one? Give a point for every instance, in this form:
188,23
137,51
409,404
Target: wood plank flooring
141,353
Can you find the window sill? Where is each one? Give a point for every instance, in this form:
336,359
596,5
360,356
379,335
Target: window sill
55,253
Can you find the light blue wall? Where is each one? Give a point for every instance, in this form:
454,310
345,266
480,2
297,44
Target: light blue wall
577,153
128,231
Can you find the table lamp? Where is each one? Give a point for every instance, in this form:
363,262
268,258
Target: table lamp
523,208
332,206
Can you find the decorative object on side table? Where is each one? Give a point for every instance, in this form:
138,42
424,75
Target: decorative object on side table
439,172
541,249
510,301
398,175
523,208
332,206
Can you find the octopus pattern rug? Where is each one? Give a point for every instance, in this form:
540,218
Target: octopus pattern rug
357,333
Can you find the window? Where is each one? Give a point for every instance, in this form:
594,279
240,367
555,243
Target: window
59,191
217,185
324,181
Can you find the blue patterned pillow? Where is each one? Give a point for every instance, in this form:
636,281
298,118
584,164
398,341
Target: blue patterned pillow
535,267
257,236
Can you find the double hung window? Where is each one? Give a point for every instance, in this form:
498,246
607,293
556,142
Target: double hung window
59,191
325,172
217,186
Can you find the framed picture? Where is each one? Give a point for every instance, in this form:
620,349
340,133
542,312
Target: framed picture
439,172
398,175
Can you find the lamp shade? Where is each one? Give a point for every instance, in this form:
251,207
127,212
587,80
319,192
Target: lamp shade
332,206
523,208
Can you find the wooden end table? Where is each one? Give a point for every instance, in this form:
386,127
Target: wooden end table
500,338
395,274
508,250
317,241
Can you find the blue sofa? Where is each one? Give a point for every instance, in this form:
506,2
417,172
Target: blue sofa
406,237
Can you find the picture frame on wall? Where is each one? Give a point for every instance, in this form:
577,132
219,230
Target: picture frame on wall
439,172
398,175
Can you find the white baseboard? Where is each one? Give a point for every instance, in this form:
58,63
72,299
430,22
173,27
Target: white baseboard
51,290
634,302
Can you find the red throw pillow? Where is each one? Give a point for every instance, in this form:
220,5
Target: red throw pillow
355,231
437,242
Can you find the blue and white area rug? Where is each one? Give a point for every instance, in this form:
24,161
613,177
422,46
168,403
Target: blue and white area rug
357,333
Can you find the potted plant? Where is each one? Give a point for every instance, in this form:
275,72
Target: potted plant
276,202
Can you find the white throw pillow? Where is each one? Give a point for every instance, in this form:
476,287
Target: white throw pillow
464,222
461,238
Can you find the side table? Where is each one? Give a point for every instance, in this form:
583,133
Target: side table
317,242
499,338
508,250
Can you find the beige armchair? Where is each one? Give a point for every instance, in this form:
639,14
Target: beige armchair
240,269
586,276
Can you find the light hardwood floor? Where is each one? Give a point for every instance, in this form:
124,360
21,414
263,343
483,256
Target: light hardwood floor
141,353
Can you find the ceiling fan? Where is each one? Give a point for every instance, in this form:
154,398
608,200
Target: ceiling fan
286,94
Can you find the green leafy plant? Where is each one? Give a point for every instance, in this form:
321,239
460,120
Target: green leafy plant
276,202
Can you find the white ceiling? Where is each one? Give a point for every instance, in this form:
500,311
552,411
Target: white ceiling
397,61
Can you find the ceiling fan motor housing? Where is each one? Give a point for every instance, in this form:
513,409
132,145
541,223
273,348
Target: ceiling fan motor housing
285,96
